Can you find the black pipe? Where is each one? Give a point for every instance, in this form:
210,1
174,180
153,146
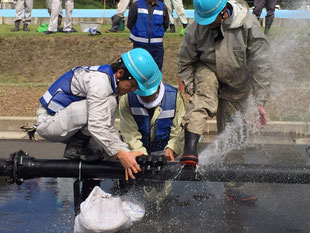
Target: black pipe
22,166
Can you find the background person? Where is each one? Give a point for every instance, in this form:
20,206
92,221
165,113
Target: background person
270,8
222,61
81,105
177,5
26,6
56,6
49,9
147,21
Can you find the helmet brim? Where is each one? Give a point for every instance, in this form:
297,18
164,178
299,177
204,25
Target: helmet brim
204,21
151,91
148,92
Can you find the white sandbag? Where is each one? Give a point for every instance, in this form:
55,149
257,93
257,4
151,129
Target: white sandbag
135,210
101,212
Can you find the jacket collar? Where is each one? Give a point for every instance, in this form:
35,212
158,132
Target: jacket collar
239,14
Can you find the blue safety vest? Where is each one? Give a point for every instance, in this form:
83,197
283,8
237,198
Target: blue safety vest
145,31
162,124
59,95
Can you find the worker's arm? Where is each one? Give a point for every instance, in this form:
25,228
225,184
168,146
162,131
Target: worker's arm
128,127
176,139
165,18
102,106
259,60
132,15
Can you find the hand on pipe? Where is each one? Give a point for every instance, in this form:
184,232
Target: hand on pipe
128,161
262,118
169,153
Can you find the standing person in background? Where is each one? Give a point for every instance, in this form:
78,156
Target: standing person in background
56,6
147,21
49,9
119,16
21,5
270,7
177,5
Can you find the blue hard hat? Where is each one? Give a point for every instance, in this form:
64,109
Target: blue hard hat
206,11
144,70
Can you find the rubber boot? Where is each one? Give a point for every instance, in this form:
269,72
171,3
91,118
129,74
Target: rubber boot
116,22
76,147
16,28
25,27
267,26
190,155
59,28
172,28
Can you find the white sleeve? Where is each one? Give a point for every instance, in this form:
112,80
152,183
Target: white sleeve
102,106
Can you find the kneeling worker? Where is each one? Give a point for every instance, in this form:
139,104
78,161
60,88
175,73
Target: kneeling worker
81,105
150,121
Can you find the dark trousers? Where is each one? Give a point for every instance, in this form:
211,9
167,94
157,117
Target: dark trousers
270,7
156,50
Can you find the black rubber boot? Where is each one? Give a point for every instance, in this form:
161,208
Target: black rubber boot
172,28
190,155
25,27
267,26
116,22
185,25
59,28
76,147
16,28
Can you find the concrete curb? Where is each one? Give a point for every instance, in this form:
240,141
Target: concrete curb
279,22
10,128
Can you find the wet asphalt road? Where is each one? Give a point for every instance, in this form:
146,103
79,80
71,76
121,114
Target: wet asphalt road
195,206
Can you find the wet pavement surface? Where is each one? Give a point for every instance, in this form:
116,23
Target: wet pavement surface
46,204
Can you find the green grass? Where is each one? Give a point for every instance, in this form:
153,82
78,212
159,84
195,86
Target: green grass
32,61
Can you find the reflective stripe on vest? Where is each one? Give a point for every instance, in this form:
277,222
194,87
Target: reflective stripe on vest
152,33
59,94
162,124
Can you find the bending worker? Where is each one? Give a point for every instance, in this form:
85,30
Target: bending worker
150,121
222,61
81,105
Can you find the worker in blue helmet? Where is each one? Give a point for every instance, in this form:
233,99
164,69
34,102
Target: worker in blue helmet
223,60
150,121
79,108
